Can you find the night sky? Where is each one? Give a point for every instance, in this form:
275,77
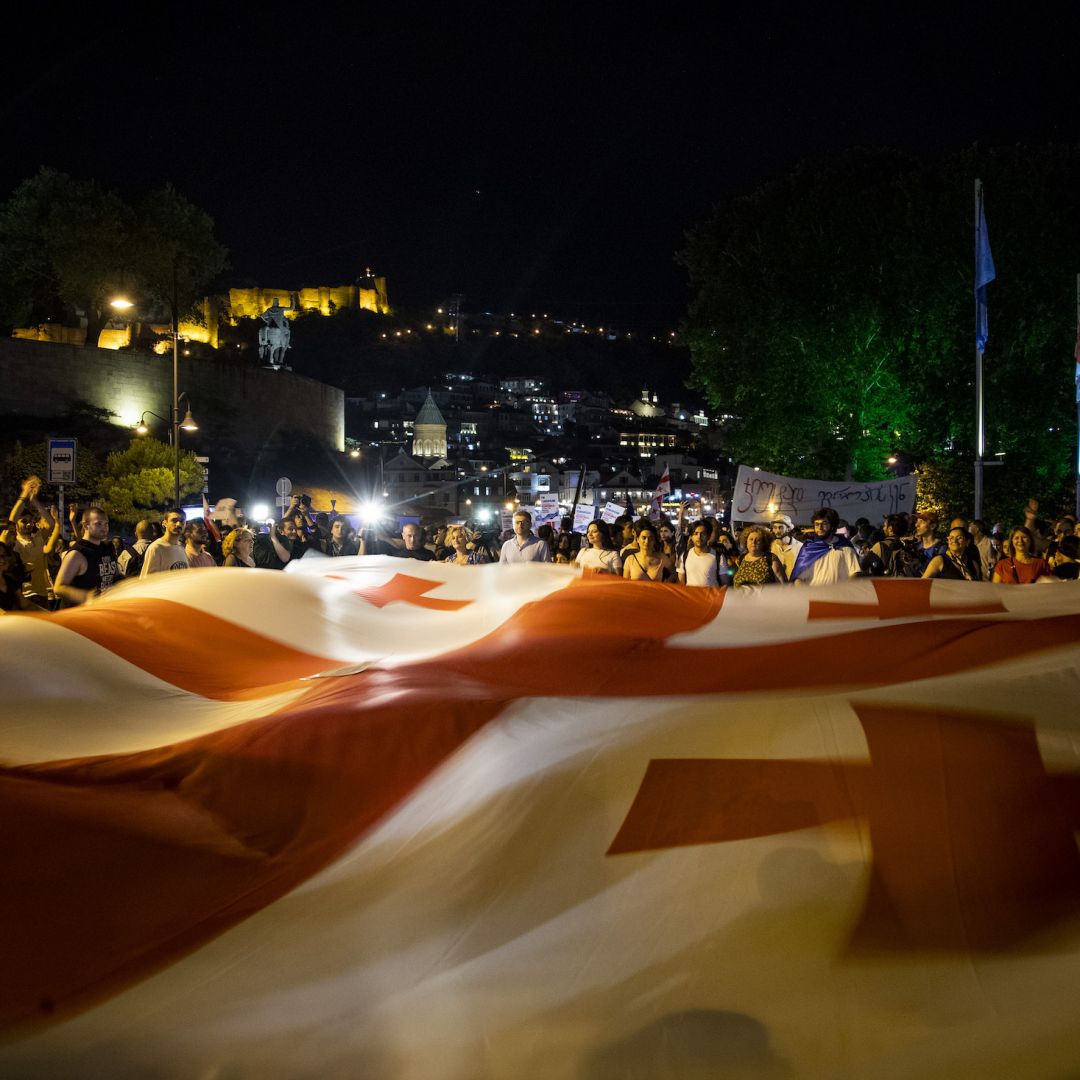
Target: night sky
547,160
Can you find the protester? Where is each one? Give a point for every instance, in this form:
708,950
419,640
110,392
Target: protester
167,552
827,558
341,541
88,568
274,549
701,566
464,552
926,544
31,544
568,541
1066,561
954,563
413,545
12,575
237,547
599,552
878,561
786,545
130,560
648,561
1021,566
195,540
523,546
759,566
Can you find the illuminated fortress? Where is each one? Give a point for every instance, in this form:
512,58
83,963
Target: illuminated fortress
367,294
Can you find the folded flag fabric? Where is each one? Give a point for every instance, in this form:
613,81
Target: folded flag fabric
364,820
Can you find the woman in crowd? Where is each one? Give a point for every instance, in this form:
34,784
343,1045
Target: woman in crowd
462,552
564,549
953,563
237,548
648,562
668,540
1021,566
599,554
701,565
759,566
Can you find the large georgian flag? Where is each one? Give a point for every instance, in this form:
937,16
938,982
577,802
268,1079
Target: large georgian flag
377,818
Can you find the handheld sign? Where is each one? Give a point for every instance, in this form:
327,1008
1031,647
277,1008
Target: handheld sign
583,516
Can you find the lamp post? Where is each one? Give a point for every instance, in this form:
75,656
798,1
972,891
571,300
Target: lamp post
121,303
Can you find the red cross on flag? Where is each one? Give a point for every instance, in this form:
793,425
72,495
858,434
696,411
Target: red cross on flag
371,817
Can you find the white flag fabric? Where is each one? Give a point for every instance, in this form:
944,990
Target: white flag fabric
382,818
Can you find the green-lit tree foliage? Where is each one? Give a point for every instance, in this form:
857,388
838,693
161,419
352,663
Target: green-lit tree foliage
138,482
72,242
833,316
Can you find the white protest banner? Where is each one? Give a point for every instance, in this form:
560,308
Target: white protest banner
761,496
611,512
549,506
583,516
507,522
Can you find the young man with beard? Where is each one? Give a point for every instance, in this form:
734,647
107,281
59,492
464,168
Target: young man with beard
195,540
89,568
827,558
167,552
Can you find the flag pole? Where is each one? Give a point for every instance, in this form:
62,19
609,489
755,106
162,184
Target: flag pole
979,433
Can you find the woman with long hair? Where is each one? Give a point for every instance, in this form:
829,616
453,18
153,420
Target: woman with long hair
1021,566
648,562
599,552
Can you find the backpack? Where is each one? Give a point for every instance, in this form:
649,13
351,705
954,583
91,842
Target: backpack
906,562
132,566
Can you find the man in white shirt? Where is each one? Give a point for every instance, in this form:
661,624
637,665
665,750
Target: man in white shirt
167,552
827,558
523,546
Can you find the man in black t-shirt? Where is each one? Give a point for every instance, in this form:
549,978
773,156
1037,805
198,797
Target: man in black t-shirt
89,567
411,535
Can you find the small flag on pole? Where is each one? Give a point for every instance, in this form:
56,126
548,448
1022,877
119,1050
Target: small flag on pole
984,274
662,489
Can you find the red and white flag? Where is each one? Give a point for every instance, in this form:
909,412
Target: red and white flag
377,818
662,489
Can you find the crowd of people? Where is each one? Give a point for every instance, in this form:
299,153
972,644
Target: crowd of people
39,570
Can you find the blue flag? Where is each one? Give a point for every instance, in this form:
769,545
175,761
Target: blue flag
984,274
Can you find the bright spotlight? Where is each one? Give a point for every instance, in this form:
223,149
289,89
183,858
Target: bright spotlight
370,512
260,511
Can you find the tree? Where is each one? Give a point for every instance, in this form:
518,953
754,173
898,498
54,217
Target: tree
175,253
833,314
139,481
62,241
65,241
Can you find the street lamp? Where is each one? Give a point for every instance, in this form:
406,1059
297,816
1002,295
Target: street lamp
122,303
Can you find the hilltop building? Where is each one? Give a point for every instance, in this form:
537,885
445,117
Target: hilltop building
367,293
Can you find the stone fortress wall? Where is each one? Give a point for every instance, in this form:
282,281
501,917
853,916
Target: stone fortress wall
368,294
41,378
